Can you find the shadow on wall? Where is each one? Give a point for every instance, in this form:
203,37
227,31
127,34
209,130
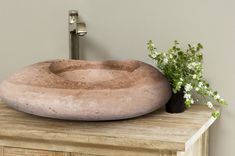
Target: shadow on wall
92,50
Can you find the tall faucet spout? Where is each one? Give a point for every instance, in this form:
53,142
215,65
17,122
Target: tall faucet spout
77,28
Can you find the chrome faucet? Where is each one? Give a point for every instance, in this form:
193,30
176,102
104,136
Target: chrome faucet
76,29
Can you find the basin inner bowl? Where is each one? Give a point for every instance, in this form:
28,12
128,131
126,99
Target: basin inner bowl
93,71
91,75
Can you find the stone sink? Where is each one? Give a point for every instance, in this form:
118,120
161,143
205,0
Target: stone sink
86,90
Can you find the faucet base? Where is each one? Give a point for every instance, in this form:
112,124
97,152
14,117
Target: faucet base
74,46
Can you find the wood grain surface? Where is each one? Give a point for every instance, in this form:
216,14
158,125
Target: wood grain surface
199,148
1,151
9,151
153,133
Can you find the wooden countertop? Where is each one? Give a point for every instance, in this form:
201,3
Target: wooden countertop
155,131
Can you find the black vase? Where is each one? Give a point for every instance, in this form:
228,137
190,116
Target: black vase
176,103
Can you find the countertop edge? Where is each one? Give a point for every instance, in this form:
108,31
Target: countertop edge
199,133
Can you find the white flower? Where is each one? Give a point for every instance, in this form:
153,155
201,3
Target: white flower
181,79
210,93
153,55
200,84
192,101
192,65
165,61
194,76
187,96
197,89
188,87
209,104
177,46
217,96
171,56
180,83
189,66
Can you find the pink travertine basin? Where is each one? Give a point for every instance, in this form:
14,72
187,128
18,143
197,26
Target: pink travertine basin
87,90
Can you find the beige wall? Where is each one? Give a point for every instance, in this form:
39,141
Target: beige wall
36,30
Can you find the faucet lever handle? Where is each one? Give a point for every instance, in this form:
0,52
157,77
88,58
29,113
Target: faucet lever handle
81,29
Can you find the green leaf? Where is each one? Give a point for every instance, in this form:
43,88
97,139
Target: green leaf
216,114
200,45
176,42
